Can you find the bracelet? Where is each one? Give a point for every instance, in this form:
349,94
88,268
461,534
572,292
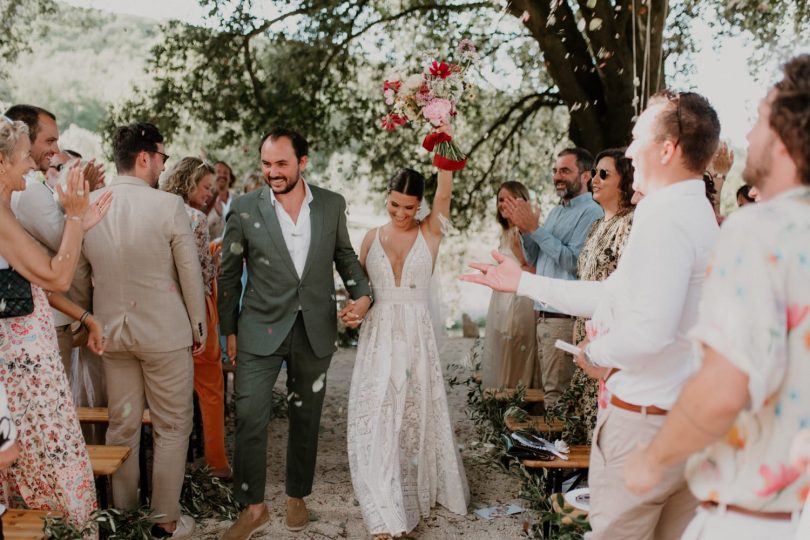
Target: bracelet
84,318
74,218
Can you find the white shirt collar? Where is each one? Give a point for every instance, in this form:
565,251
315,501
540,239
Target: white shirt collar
306,187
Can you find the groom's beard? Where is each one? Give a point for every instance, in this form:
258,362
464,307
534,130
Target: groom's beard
290,184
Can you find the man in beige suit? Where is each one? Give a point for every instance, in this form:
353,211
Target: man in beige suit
148,290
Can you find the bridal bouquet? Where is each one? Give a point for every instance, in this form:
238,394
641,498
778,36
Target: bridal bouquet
431,97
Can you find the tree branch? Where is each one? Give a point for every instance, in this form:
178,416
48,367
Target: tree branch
254,80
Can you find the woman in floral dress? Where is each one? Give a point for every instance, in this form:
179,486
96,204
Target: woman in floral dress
52,471
612,186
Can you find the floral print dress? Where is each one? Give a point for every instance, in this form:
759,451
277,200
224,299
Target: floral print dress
53,471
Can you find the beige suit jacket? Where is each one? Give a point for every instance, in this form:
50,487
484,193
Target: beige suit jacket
148,288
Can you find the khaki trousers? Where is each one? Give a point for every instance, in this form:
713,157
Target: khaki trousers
618,514
165,381
64,338
555,365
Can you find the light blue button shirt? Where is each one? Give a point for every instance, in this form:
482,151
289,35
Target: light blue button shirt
554,248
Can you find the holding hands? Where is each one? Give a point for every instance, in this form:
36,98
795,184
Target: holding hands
355,311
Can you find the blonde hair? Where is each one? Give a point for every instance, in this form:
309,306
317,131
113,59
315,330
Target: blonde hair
10,133
184,177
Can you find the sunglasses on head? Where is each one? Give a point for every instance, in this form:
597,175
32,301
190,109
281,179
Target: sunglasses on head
601,173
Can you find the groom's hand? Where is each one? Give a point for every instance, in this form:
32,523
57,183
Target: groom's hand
352,315
230,347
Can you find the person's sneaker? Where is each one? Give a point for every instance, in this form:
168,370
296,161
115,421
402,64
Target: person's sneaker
185,528
246,525
297,515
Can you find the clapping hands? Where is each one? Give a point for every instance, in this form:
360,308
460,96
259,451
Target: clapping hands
522,214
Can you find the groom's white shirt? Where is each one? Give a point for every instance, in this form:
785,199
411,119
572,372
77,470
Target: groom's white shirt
298,235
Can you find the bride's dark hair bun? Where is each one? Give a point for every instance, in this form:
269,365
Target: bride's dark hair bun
409,182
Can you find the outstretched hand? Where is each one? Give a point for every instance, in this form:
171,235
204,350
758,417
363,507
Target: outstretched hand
504,276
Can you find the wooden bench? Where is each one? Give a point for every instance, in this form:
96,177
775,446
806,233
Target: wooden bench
101,415
532,395
578,461
536,423
106,460
19,524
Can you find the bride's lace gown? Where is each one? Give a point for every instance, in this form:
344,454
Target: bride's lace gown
402,453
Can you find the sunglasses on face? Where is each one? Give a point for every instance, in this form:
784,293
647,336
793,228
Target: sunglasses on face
601,173
161,154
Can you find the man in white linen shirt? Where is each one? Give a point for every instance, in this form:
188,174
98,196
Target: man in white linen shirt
750,398
641,313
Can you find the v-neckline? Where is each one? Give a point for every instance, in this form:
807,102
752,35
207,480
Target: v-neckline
404,262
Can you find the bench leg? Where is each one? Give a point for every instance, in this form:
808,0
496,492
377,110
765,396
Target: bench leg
142,464
101,491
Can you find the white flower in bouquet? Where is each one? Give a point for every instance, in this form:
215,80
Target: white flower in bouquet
413,83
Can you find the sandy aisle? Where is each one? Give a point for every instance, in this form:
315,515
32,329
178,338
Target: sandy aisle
332,505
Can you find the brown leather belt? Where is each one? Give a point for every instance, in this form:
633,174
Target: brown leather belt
552,315
652,409
781,516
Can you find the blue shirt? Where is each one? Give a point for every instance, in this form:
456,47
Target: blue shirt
554,248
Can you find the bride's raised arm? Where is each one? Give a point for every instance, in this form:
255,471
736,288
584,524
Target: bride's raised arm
440,206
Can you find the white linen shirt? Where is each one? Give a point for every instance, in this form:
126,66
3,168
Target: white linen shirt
641,313
297,235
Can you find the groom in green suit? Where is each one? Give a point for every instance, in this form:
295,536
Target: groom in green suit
289,234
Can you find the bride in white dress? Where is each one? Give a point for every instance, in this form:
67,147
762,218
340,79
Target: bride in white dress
402,453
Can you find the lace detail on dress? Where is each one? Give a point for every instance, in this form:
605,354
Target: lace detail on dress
402,452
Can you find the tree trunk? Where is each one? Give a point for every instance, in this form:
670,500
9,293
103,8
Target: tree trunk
590,58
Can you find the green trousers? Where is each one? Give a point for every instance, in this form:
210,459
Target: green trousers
306,386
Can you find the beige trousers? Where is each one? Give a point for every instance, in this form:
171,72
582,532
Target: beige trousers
618,514
556,366
165,380
64,339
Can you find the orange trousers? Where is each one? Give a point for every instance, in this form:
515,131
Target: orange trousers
208,383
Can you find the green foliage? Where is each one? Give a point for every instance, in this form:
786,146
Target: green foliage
205,496
78,61
489,415
111,523
16,17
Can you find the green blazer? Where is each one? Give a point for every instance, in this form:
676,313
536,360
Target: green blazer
274,292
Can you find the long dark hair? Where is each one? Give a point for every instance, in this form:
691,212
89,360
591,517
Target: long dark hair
625,169
517,190
408,182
